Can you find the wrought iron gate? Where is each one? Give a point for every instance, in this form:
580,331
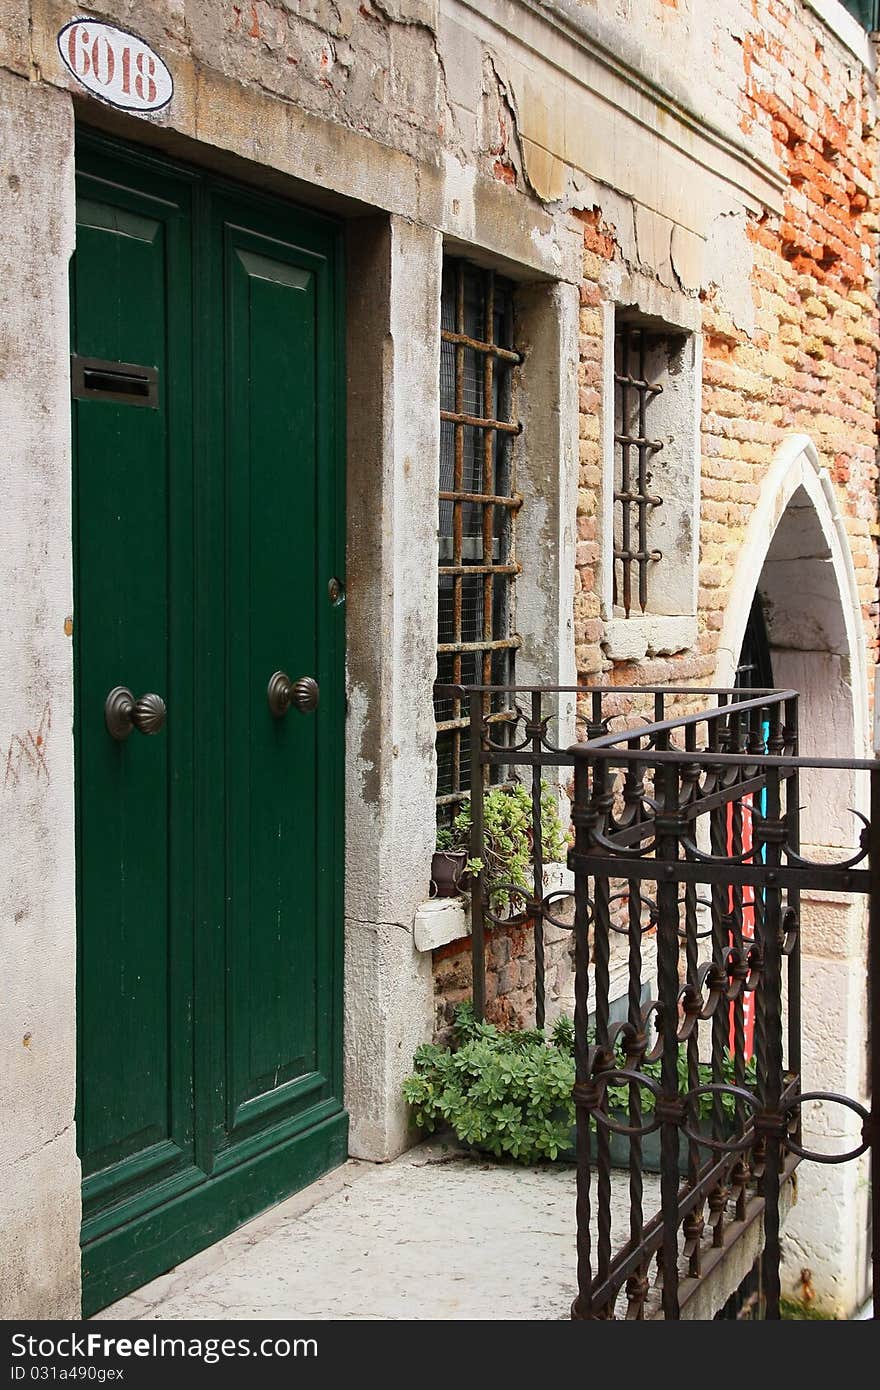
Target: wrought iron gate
687,833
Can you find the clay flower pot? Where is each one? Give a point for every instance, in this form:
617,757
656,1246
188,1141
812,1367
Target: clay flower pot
447,871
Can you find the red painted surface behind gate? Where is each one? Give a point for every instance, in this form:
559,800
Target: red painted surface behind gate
748,923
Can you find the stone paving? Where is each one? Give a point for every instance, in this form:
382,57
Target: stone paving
437,1235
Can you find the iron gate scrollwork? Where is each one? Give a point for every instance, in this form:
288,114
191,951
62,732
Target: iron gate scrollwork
698,818
687,836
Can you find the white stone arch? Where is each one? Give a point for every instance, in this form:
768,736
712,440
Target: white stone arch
796,468
796,554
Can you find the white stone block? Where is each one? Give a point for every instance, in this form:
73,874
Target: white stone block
631,639
441,920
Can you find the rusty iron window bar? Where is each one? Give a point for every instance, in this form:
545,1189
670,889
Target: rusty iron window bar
477,568
634,451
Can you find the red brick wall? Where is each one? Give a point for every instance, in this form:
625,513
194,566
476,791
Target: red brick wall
809,366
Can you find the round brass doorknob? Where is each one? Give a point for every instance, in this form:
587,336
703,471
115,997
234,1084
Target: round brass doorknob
122,713
283,692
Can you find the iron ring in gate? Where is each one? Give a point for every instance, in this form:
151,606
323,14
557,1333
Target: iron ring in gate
831,1097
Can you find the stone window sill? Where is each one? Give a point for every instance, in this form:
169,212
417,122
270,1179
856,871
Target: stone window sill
442,920
631,639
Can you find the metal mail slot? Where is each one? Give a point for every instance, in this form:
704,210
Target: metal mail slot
93,379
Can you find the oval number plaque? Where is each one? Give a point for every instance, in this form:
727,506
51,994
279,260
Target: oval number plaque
116,66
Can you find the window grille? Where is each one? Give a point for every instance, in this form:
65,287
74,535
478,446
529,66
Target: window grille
634,450
477,564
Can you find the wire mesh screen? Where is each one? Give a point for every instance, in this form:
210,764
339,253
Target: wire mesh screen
477,564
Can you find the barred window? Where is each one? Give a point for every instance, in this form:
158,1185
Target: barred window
634,396
477,565
654,385
651,444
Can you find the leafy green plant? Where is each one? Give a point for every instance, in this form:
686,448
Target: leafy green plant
507,1093
511,1093
445,840
618,1096
508,839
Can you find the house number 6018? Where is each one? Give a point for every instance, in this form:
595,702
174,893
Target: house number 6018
115,65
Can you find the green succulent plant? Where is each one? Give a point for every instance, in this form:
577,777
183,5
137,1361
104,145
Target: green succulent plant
508,840
510,1094
507,1093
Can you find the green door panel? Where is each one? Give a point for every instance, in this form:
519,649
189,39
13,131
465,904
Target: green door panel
135,967
209,855
272,857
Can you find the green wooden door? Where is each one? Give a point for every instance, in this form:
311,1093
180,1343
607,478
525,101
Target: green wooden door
208,523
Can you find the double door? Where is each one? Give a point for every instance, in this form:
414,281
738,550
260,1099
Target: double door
208,630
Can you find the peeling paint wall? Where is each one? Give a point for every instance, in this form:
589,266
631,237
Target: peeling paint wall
786,299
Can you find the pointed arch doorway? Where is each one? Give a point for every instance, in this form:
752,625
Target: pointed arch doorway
793,620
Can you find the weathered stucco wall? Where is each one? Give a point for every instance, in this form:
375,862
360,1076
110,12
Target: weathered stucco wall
394,357
39,1171
716,157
